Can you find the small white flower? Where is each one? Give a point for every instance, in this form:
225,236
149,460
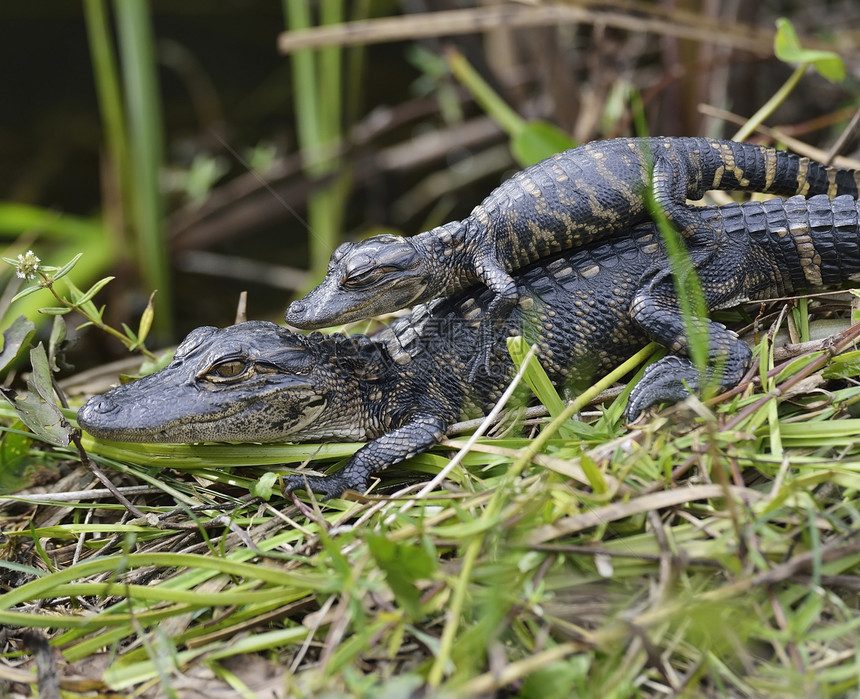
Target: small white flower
28,265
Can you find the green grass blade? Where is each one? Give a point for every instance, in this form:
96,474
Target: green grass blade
109,91
146,148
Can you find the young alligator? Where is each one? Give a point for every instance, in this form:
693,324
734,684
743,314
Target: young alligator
567,201
586,310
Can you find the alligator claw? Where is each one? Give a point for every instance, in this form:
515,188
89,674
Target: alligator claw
328,486
673,379
669,380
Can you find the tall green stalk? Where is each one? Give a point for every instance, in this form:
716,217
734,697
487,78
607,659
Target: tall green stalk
131,115
146,147
317,91
112,114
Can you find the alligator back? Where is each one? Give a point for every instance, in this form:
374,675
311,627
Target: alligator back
586,193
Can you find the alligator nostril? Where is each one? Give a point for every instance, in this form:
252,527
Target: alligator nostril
296,308
100,405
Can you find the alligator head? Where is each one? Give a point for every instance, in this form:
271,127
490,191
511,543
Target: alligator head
251,382
377,275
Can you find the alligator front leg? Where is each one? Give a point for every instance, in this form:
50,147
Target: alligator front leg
416,436
505,297
673,378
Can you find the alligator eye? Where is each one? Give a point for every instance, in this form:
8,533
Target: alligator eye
370,275
363,277
229,370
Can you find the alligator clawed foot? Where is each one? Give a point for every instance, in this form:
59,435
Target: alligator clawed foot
328,486
669,380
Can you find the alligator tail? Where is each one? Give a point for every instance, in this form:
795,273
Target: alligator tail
729,165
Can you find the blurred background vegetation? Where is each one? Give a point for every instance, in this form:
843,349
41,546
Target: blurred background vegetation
196,148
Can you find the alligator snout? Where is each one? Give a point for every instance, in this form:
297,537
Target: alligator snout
99,404
95,408
311,315
120,418
295,311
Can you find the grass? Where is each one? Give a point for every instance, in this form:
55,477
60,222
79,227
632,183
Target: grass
710,550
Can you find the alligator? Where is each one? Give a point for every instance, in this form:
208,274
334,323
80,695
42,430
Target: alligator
572,199
587,310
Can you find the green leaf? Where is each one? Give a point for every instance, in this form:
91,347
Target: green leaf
55,311
94,289
19,469
538,140
594,475
843,366
15,337
26,292
150,366
787,48
795,365
541,385
129,333
485,95
264,486
146,319
55,342
558,680
339,562
66,268
87,308
37,409
531,141
29,570
403,565
535,376
204,172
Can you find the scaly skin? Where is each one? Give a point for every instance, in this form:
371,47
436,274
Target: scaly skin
586,310
570,200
